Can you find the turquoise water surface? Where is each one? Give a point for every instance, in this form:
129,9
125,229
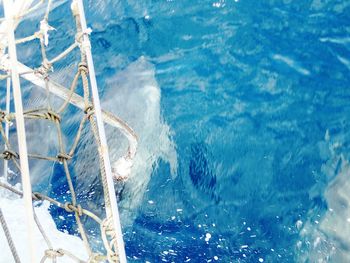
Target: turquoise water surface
254,98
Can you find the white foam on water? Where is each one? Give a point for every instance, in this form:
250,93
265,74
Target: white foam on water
326,238
14,213
291,63
134,95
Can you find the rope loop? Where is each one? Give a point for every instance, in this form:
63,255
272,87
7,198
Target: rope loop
8,155
70,208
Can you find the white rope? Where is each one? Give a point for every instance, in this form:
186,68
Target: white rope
22,144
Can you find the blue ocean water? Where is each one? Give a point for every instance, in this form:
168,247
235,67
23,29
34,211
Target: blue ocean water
255,94
251,90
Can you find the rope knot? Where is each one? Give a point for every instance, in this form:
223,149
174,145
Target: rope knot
79,210
7,117
70,208
105,223
53,116
83,67
51,253
108,230
107,227
37,196
89,110
2,115
79,36
63,157
96,257
8,155
113,257
46,65
44,69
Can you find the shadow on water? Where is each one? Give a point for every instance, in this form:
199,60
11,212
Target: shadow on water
200,172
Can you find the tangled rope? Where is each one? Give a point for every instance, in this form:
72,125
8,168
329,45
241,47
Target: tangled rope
50,114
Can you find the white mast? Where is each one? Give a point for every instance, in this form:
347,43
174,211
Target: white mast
101,130
22,144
